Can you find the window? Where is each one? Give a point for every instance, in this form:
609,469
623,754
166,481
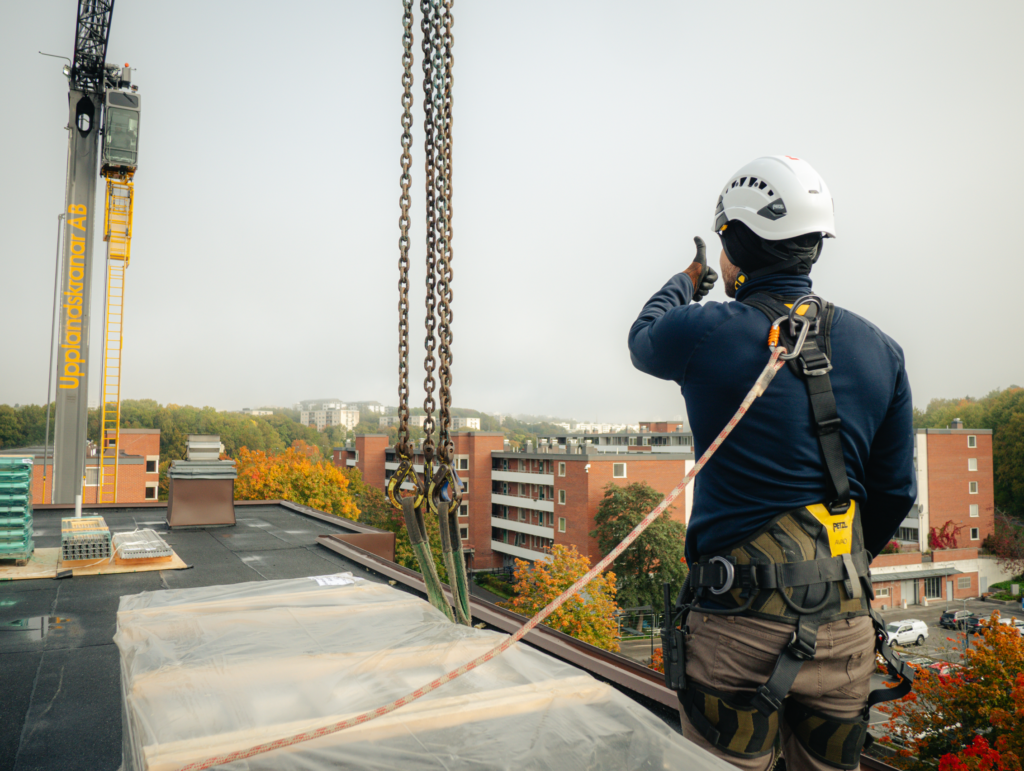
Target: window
150,466
974,510
462,462
561,524
973,488
963,582
561,497
465,485
522,466
619,470
972,464
907,534
561,469
522,515
551,519
464,510
972,442
882,592
974,534
151,493
464,532
933,587
92,476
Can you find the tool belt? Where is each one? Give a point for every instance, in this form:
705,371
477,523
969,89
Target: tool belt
806,567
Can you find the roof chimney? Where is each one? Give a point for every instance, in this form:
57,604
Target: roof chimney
957,423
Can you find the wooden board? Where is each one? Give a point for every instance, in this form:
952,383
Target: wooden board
43,564
106,568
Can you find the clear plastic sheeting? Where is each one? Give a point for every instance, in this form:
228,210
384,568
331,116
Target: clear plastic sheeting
218,669
140,545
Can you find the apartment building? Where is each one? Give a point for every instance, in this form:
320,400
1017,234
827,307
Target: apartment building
955,486
394,420
518,504
466,424
329,416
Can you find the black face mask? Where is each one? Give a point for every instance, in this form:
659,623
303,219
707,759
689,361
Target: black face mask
757,256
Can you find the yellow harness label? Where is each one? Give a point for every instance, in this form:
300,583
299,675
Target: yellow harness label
838,526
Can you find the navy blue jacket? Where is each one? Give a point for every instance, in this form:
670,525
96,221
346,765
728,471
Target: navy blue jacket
772,460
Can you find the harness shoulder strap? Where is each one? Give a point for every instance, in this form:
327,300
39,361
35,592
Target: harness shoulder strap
812,366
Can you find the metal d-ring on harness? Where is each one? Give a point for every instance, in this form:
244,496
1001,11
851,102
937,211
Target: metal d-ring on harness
440,491
812,558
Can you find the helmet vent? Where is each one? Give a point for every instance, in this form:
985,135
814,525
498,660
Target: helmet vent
762,186
752,182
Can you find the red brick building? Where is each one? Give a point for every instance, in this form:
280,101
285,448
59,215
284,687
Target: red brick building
519,504
138,468
955,492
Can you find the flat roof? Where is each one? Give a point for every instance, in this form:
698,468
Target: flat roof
953,430
61,684
907,575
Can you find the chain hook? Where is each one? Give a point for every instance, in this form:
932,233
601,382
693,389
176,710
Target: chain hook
404,473
445,484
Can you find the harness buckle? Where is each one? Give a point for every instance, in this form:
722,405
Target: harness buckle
801,648
828,426
765,702
730,575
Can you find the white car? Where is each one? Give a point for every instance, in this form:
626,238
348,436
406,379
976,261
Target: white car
1016,623
907,632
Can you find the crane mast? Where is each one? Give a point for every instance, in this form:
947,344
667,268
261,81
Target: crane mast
86,76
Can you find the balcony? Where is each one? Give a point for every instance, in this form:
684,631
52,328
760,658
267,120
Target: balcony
523,527
522,476
519,551
522,503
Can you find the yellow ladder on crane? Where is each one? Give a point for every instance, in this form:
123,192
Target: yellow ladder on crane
117,232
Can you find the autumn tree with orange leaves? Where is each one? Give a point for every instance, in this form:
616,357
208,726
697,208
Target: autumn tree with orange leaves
588,615
971,718
298,475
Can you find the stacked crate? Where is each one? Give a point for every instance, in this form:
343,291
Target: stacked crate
16,509
84,540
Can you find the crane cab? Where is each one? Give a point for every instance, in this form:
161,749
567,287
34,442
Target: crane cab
121,132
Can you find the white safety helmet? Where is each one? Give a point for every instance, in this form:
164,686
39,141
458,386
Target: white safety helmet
777,197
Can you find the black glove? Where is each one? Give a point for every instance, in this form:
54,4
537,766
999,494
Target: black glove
702,276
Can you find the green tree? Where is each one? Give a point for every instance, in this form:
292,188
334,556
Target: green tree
652,559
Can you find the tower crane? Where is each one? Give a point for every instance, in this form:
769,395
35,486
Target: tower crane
95,89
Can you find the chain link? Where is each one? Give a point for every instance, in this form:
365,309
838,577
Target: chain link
429,150
403,447
443,96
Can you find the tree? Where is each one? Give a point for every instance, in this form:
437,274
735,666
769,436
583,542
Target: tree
1007,543
653,558
941,718
588,615
294,475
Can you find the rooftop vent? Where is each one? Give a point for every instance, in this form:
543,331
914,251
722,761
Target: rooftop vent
957,423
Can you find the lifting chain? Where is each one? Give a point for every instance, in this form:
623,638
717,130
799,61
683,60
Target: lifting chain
429,152
403,447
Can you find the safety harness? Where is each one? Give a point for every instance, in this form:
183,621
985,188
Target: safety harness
806,567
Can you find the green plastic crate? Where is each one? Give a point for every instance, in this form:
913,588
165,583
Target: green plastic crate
15,520
16,464
17,550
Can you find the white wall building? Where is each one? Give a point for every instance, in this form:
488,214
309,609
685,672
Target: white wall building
414,420
326,418
467,424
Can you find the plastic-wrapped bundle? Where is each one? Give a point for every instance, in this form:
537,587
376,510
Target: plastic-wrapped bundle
16,508
218,669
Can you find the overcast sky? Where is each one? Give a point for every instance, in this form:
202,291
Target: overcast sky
591,141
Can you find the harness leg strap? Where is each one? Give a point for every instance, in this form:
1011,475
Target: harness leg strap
832,740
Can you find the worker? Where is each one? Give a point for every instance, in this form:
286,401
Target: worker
810,485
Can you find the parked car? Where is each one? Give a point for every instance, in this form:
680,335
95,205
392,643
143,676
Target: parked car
954,619
906,632
1016,623
975,624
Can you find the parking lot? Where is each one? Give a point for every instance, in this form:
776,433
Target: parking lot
938,646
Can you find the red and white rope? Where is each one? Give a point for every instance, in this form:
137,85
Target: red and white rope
773,366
